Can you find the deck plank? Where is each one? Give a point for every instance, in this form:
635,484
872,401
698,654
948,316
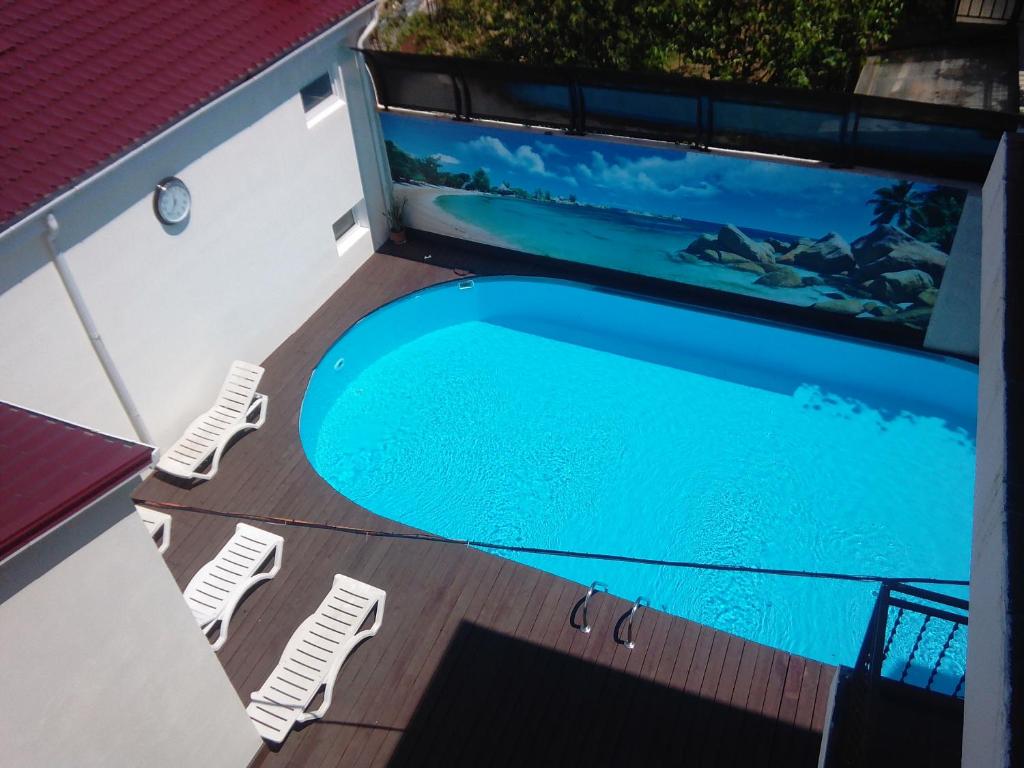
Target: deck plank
471,644
782,744
674,743
722,698
723,750
540,635
655,710
745,747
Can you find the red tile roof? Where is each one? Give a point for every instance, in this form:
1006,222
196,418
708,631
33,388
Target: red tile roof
49,470
83,82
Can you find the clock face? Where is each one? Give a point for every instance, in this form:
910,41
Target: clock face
172,201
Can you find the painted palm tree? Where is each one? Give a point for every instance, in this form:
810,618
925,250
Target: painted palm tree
900,202
939,216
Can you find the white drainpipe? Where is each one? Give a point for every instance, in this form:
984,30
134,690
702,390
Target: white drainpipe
78,301
361,43
383,169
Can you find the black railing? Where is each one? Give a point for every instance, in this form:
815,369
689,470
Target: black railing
843,129
915,630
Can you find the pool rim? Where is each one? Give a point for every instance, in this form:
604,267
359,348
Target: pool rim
665,301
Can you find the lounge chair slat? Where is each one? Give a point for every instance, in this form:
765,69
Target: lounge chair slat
309,643
311,656
325,639
238,407
352,594
285,681
349,602
298,674
283,693
303,664
235,575
272,714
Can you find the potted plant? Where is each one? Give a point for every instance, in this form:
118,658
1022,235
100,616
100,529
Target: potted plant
395,214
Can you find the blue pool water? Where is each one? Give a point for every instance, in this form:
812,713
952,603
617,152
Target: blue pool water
544,413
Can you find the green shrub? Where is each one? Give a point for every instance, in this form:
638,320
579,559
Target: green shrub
803,43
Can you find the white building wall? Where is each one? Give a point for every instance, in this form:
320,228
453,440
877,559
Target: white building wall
101,662
46,361
175,305
986,710
257,257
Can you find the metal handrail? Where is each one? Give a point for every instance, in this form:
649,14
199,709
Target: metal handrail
877,641
640,601
597,586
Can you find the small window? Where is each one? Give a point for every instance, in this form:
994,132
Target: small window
316,93
344,224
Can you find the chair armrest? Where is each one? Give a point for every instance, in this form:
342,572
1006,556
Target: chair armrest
259,403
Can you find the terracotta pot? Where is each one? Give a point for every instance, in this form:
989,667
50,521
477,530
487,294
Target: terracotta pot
398,237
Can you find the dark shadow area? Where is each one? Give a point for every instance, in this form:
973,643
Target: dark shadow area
50,549
498,700
176,229
1013,371
895,725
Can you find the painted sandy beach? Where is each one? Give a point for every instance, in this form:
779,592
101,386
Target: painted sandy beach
423,212
845,243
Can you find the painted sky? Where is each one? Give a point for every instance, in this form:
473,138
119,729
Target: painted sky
797,200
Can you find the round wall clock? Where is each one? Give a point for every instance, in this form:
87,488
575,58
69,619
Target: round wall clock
172,201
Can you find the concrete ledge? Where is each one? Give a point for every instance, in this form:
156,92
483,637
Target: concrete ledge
995,680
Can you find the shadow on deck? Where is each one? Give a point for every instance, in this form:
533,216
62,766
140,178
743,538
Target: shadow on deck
497,700
898,726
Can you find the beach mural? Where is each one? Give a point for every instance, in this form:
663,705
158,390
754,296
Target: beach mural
854,244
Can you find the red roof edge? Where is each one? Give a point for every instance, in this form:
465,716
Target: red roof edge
54,469
101,65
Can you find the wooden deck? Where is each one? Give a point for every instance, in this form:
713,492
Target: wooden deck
477,663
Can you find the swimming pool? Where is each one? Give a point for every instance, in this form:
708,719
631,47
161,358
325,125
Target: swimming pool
545,413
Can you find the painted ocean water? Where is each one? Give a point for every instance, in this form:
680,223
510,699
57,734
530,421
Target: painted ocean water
844,242
620,240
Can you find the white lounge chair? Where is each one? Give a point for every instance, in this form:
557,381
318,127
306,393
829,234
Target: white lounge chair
239,407
215,591
158,524
313,658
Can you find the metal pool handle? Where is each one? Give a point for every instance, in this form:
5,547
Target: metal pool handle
640,601
597,586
